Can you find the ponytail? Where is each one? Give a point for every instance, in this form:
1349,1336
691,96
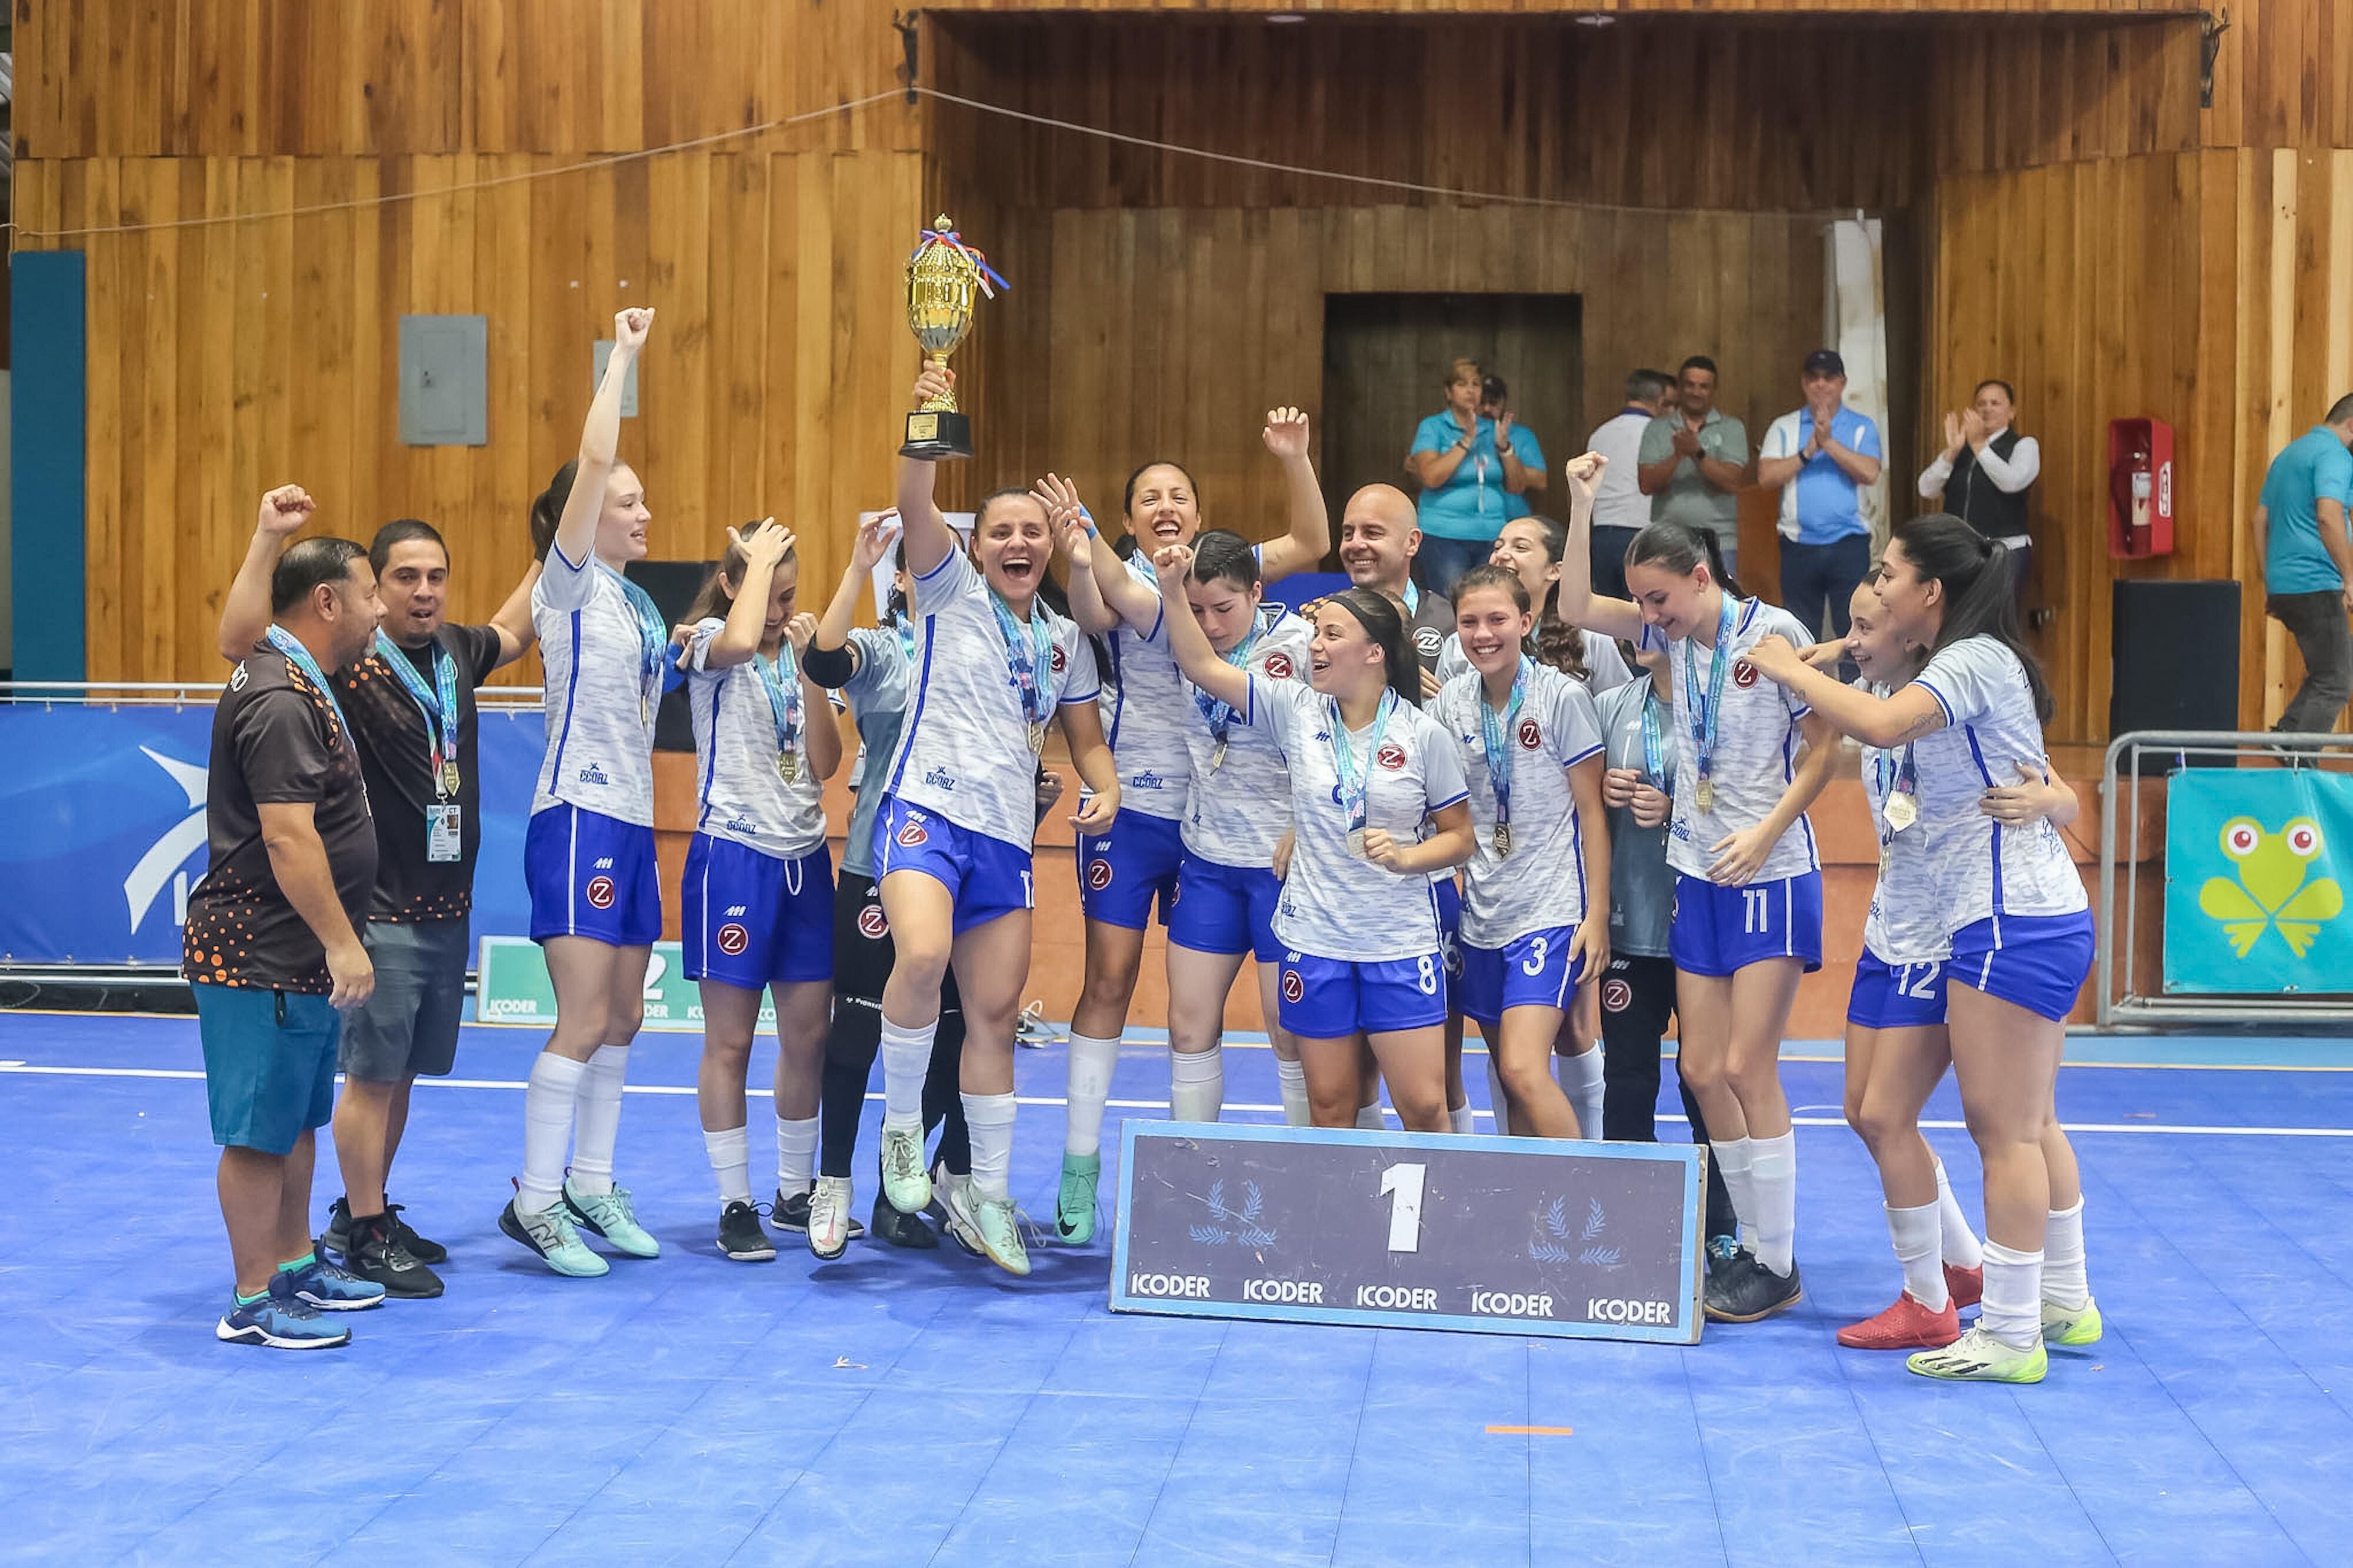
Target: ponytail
1981,600
1557,643
1679,548
547,510
1382,622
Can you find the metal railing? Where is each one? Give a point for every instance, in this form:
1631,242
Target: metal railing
2120,999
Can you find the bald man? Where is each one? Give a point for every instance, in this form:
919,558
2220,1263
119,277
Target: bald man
1378,540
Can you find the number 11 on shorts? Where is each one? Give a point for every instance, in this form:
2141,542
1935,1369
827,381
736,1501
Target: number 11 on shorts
1756,911
1402,1183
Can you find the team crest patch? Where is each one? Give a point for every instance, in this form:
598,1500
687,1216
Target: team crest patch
1278,667
1058,659
1293,988
1099,875
1744,674
1617,995
600,892
1392,756
732,940
873,923
1531,737
910,835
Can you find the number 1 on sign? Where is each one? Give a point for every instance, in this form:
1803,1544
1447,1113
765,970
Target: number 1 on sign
1403,1185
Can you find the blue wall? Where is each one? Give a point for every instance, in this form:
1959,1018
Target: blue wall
47,322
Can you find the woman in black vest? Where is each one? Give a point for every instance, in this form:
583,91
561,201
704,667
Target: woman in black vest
1984,473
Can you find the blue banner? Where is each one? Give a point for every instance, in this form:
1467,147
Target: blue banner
105,811
2256,868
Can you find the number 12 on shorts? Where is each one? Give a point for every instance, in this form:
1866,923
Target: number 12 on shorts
1756,910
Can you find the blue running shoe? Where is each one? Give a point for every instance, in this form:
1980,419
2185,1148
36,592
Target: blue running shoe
549,1233
331,1289
613,1218
281,1321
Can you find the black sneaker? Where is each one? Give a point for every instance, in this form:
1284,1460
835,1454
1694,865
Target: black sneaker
906,1230
741,1238
419,1248
1747,1291
337,1237
792,1213
1722,1252
377,1254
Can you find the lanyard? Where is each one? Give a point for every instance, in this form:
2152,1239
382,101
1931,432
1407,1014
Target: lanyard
438,701
298,655
1499,734
1219,716
1025,656
783,685
906,630
1657,763
1412,600
1351,787
1895,774
653,636
1707,712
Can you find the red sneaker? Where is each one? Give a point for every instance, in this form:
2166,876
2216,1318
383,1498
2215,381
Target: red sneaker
1907,1325
1966,1285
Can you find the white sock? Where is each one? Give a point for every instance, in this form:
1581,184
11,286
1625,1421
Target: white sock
1580,1078
1293,1076
1731,1158
547,1110
1092,1061
1497,1098
1773,1173
599,1120
1461,1118
1369,1117
2064,1280
730,1149
796,1155
1197,1084
1959,1242
906,1058
2012,1309
1918,1247
990,1118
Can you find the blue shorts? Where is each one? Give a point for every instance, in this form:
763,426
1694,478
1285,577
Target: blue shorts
1123,871
1333,998
591,875
1226,909
1896,997
1721,931
269,1063
751,920
987,877
1531,971
2036,961
1447,894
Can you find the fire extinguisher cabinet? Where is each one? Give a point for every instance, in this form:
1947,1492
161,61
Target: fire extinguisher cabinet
2141,487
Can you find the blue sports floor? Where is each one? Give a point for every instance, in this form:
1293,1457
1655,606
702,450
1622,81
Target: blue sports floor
907,1408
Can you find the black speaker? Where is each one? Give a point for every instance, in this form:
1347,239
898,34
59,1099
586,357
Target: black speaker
2175,647
673,584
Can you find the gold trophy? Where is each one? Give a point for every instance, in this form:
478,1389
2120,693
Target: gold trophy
942,275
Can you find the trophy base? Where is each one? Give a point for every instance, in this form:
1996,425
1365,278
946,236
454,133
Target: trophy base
939,438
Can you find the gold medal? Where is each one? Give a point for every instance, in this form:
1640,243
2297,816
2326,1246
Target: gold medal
1502,838
1901,811
1217,756
788,767
449,777
1037,739
1357,842
1704,796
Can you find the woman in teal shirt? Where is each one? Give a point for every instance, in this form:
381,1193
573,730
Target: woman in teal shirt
1474,467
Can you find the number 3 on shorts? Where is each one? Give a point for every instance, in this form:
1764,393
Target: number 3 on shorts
1533,964
1428,977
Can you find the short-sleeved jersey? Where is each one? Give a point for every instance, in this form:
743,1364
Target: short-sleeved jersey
1756,747
1238,809
1642,883
744,796
600,697
1334,904
2314,467
1604,666
1541,883
1147,717
965,750
877,694
1903,925
1981,867
275,741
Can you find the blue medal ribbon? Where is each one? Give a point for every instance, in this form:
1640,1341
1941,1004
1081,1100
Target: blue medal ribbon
1707,712
1498,736
1025,655
906,629
286,642
438,701
784,686
1658,764
1351,788
1220,716
1412,599
653,635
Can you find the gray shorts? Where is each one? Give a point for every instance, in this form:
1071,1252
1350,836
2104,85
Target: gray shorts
409,1027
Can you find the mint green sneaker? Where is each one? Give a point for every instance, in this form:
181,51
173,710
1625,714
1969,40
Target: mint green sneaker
549,1233
1074,1206
998,1229
1979,1357
906,1182
610,1215
2073,1328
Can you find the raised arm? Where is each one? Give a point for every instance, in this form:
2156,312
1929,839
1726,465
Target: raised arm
512,622
1579,605
1095,603
763,546
1302,548
821,733
1910,712
874,542
1189,645
600,439
927,539
244,612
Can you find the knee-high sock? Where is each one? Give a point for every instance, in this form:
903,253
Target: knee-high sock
990,1118
1580,1078
1092,1061
1197,1084
548,1101
1461,1118
1369,1117
730,1149
1293,1076
2012,1309
906,1056
2064,1278
599,1121
795,1152
1497,1096
1958,1241
1773,1172
1919,1248
1731,1158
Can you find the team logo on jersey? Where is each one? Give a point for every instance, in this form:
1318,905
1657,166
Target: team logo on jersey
732,940
912,834
236,681
1058,661
1099,875
1278,667
1392,756
873,923
1531,737
1426,641
1293,988
1617,995
1744,674
600,892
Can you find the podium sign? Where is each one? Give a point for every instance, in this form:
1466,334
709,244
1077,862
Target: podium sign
1413,1230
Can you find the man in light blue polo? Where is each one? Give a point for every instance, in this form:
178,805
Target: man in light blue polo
2307,560
1820,456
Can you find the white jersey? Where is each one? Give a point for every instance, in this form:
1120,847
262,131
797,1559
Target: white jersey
1756,746
1149,719
964,752
1982,868
1604,666
1541,883
1902,926
1334,904
1238,808
601,697
744,797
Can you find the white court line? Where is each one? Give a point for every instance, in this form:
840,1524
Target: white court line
687,1089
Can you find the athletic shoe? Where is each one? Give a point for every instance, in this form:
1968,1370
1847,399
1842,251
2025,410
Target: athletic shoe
1031,1028
998,1230
1074,1206
792,1214
1966,1286
280,1320
955,1210
825,1215
549,1233
1906,1326
1722,1250
610,1215
904,1181
376,1255
1979,1357
338,1235
1747,1291
2073,1328
331,1289
740,1236
907,1230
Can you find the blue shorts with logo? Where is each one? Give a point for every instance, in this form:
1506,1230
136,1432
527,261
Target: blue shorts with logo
1123,871
1721,931
1896,995
987,877
1531,971
592,875
2035,961
751,920
1226,909
269,1063
1334,998
1447,894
